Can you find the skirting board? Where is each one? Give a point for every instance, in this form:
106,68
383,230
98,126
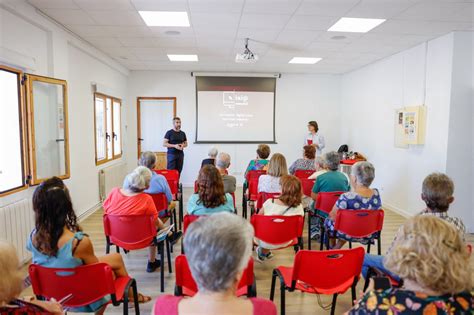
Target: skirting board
86,214
401,212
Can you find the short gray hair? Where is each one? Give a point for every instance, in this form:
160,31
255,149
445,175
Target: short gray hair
364,172
332,160
223,160
138,180
319,161
218,248
147,159
212,152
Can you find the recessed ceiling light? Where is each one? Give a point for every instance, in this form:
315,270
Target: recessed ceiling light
355,25
172,33
165,18
183,57
304,60
338,37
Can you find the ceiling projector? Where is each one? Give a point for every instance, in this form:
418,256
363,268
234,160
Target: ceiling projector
247,56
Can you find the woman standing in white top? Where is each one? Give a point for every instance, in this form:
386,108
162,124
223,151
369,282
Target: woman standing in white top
315,138
288,204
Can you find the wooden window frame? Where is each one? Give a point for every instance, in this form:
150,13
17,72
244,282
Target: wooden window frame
113,100
23,131
139,128
30,78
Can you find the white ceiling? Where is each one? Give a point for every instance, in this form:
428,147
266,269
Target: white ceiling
282,29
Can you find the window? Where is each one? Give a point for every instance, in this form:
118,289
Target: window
47,128
12,163
108,133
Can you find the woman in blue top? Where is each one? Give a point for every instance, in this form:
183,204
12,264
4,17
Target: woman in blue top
210,197
58,241
361,197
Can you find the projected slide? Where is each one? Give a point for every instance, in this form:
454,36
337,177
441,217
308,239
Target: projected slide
235,109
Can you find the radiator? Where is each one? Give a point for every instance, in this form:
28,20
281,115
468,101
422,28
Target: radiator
111,177
16,223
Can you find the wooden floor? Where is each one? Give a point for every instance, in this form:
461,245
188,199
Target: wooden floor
296,302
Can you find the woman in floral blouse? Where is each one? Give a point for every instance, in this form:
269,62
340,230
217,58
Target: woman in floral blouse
433,261
305,163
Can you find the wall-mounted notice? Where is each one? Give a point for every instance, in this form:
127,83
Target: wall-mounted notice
410,125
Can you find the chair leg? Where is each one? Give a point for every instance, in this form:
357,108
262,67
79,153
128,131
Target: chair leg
353,293
379,244
322,233
272,288
107,246
180,211
309,231
333,306
117,249
135,297
125,304
368,248
162,266
168,254
350,244
282,299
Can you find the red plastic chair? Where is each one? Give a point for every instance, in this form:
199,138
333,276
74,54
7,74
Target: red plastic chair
87,284
279,229
186,286
252,186
320,272
196,187
132,232
324,203
307,186
304,173
233,199
172,177
358,224
161,204
188,219
264,196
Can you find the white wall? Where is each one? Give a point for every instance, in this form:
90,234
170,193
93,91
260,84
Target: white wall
299,98
30,42
460,161
369,98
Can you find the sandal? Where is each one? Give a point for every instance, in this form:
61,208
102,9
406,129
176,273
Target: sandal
142,299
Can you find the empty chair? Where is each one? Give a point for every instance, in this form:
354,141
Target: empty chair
172,176
250,190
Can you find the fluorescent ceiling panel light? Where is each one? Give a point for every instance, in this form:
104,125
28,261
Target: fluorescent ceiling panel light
165,18
355,25
183,57
304,60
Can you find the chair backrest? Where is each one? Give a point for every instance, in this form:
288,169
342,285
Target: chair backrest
184,277
359,223
160,201
87,283
130,231
254,174
196,187
188,219
326,200
264,196
327,270
277,229
303,173
307,186
172,177
233,198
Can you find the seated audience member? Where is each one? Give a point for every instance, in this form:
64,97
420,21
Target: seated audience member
362,197
218,249
58,241
437,193
319,167
158,183
433,261
223,163
261,162
210,197
131,200
288,203
276,169
333,179
11,285
305,163
211,157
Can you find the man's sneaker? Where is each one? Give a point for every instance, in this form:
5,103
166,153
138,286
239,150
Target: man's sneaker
152,266
260,256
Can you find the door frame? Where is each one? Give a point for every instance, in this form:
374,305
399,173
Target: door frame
141,98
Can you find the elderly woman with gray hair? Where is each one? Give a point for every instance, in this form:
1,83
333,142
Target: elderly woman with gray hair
131,199
212,154
361,197
218,248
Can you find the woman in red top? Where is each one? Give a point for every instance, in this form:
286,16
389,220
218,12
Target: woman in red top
131,200
218,248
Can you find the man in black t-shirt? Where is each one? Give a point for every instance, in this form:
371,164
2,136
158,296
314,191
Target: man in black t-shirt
175,140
